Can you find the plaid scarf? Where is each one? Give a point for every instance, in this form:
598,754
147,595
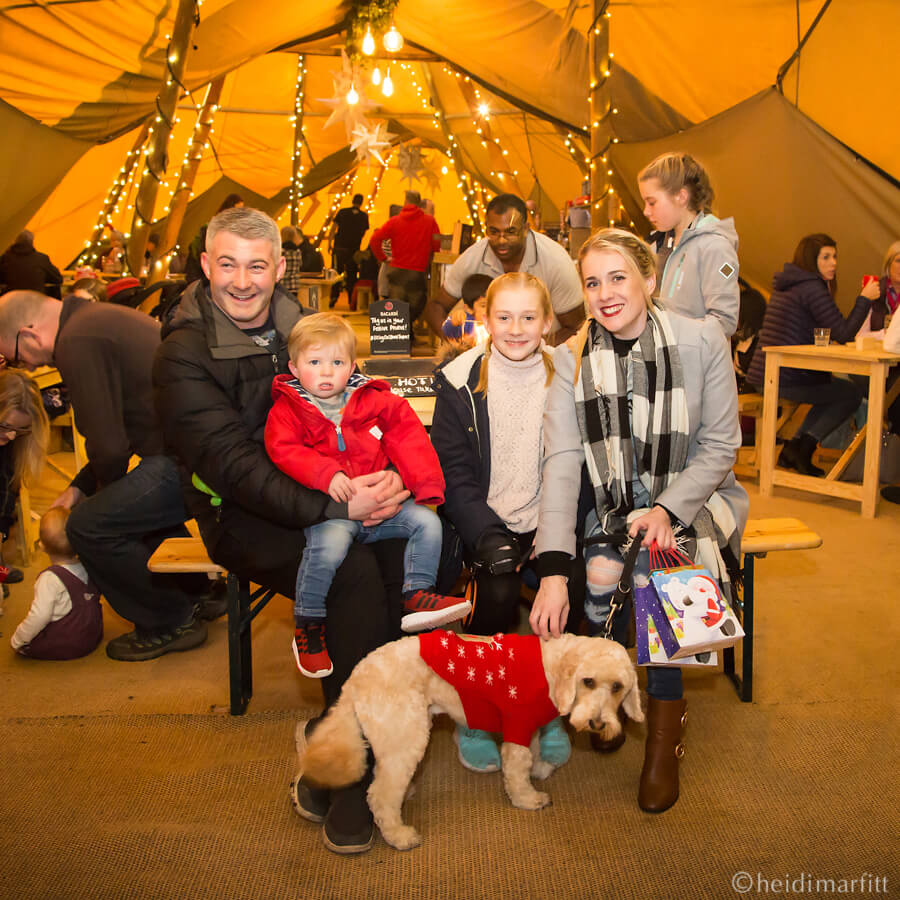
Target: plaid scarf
647,425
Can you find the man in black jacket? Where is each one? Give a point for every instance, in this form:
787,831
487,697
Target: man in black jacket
104,354
213,382
22,268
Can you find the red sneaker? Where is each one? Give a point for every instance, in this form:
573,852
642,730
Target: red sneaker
425,609
310,651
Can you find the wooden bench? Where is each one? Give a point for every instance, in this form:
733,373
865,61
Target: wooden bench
180,555
751,405
761,536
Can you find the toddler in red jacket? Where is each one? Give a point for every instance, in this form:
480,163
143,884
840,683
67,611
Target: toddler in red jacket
328,425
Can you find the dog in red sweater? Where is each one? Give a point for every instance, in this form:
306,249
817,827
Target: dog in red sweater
509,683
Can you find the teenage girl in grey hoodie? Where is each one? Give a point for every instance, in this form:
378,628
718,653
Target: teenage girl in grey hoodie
697,253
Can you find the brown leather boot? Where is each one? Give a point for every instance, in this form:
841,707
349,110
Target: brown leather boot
602,746
659,777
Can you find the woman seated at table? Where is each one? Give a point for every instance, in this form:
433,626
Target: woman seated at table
888,289
803,300
650,397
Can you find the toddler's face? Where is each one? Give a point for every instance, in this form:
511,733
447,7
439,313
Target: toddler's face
479,307
322,369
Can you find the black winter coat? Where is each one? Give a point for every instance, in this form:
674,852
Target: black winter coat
213,392
22,268
799,303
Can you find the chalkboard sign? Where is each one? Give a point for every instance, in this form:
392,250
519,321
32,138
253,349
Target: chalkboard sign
389,327
408,377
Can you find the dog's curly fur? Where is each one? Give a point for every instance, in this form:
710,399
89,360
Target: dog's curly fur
391,695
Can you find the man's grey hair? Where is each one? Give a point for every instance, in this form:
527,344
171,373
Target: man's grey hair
249,224
413,198
288,233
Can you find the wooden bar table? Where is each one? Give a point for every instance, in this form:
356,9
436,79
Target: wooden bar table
845,358
312,290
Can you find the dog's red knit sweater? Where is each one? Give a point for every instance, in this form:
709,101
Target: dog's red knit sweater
501,683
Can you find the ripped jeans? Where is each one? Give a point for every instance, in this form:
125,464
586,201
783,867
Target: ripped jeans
604,565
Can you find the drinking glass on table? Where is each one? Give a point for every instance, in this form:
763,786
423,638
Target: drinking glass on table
821,336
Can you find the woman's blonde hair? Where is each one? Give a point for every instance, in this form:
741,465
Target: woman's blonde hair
892,253
675,171
637,254
516,281
20,393
322,328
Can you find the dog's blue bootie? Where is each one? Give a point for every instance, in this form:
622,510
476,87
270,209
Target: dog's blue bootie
555,745
477,750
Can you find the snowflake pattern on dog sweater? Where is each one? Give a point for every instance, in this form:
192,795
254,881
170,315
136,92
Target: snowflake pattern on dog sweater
500,682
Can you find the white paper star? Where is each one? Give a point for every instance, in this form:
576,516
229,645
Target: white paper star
350,115
369,142
431,174
409,161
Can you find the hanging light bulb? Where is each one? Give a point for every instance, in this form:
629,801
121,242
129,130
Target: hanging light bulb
376,76
368,42
393,40
387,88
352,96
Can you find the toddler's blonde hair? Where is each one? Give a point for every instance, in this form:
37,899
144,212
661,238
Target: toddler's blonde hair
52,532
325,329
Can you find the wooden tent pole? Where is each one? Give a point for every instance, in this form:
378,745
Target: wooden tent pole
161,255
296,156
601,112
92,249
158,156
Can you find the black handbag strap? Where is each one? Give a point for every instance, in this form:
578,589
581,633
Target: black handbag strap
624,591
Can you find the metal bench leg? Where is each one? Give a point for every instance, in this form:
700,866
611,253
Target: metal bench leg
238,659
743,684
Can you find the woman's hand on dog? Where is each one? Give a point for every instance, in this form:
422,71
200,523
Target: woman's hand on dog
376,497
550,610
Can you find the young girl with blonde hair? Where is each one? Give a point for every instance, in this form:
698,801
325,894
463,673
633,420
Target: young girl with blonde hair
488,433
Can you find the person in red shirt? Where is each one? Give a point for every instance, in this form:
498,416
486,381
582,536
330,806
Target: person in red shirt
414,236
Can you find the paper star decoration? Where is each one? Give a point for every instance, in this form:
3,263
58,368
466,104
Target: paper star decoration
409,161
369,142
430,173
351,116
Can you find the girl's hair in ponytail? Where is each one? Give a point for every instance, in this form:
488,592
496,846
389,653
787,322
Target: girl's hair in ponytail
675,171
513,281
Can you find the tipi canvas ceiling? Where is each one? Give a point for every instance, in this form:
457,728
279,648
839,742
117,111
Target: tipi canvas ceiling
79,80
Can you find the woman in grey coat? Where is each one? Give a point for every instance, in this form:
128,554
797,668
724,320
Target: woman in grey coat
647,398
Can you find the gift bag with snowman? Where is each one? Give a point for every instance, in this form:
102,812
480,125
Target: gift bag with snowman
655,640
695,609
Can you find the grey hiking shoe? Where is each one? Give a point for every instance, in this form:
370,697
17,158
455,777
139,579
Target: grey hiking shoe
141,644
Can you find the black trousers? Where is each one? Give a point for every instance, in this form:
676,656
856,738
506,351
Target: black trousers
497,597
365,600
344,264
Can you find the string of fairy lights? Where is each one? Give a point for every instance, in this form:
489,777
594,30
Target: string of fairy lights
372,20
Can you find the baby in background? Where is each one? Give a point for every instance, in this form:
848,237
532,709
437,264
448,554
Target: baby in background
463,324
65,620
328,425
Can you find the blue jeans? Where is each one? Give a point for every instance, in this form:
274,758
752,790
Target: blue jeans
328,542
664,683
115,531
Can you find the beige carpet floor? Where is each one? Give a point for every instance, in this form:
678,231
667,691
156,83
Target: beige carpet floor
130,780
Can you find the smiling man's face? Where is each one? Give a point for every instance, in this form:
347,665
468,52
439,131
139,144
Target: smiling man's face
242,276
